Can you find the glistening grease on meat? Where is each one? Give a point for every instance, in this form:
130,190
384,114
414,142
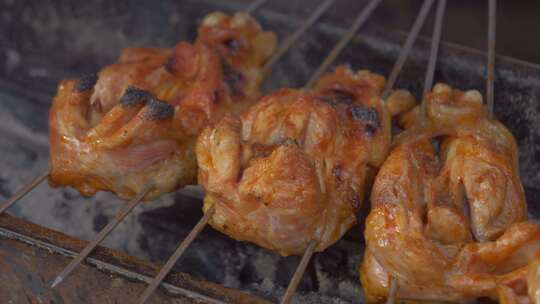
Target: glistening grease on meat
293,167
136,121
451,225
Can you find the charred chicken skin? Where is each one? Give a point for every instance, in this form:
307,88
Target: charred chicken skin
451,226
293,167
136,121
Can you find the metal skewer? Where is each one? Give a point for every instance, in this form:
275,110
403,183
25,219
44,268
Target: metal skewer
392,291
411,38
492,17
358,22
25,190
432,63
396,69
103,234
428,83
255,5
321,9
176,256
299,273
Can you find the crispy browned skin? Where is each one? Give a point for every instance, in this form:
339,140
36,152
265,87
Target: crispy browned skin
138,120
451,227
293,167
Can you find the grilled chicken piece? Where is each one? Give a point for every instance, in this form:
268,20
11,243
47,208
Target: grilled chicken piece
137,120
451,227
293,167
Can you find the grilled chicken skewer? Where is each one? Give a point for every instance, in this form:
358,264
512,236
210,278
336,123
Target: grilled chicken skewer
294,167
452,226
137,120
142,145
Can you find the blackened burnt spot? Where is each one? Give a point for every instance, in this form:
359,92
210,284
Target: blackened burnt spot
134,96
355,201
240,174
337,96
216,96
262,150
289,142
368,116
86,82
336,172
159,109
233,79
169,65
233,44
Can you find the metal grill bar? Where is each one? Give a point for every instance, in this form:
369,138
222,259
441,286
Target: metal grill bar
424,10
490,87
176,256
103,234
321,9
255,5
25,190
105,266
344,41
112,224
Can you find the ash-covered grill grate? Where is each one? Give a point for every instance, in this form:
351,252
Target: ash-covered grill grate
374,46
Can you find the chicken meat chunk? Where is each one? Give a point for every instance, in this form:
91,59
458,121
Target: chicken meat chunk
136,121
449,222
294,167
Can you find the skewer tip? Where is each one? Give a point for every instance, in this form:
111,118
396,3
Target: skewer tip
57,281
392,293
287,297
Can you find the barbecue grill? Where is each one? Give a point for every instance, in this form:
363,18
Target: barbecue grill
43,43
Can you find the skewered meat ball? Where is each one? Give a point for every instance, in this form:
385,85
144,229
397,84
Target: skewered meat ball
451,227
137,120
294,167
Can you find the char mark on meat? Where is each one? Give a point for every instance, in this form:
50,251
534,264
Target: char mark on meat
337,96
233,44
169,65
86,82
159,109
135,96
233,79
367,116
336,172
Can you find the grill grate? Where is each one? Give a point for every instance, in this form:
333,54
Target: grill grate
361,19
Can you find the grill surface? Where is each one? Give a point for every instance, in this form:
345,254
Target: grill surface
42,43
